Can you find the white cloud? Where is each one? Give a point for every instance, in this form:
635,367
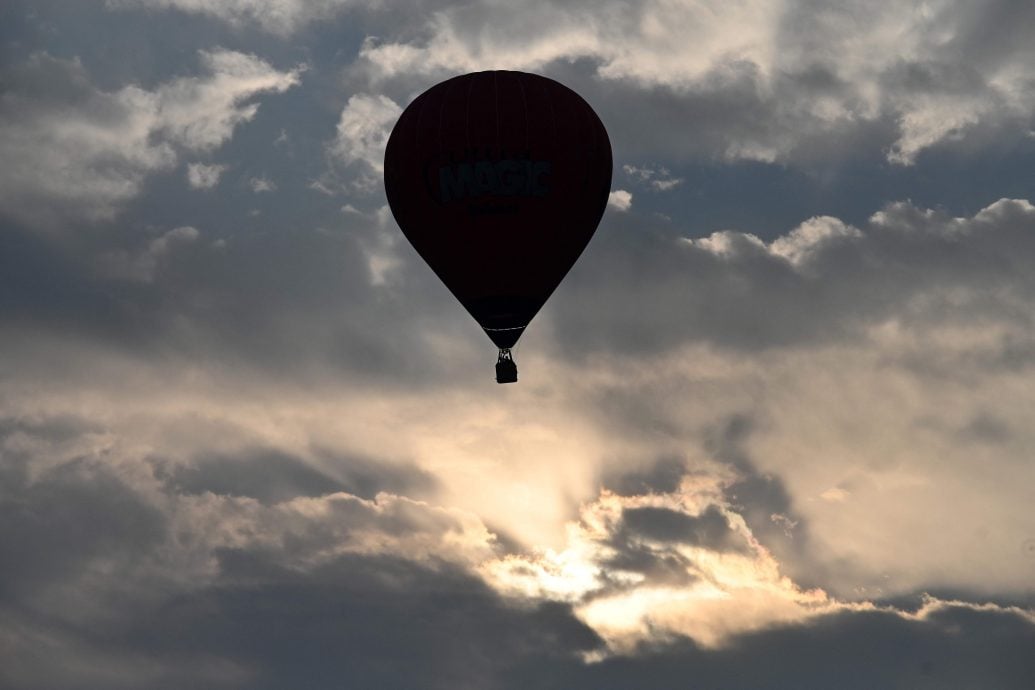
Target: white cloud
723,593
835,494
657,42
805,239
363,130
74,151
620,200
260,185
760,80
729,243
659,179
202,176
359,145
201,112
667,184
769,81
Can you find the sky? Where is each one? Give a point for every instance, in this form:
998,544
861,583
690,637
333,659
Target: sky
772,431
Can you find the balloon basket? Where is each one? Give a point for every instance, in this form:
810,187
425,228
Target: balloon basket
506,369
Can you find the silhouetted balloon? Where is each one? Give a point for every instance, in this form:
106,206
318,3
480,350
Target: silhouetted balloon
499,179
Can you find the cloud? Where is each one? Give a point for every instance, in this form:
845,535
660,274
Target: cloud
75,151
710,529
659,179
286,477
190,509
201,113
72,148
239,450
356,154
364,500
363,130
860,358
933,648
729,586
202,176
823,280
253,592
141,266
80,516
274,16
809,237
914,323
260,185
763,81
620,200
452,631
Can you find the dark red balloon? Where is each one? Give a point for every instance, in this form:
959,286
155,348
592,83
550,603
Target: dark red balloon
499,179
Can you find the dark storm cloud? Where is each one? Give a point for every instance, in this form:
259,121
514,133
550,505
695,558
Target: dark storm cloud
356,622
658,567
370,613
646,543
50,428
710,529
55,526
662,476
267,475
954,647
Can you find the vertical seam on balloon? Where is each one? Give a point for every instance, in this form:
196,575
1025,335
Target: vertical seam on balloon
467,110
524,100
496,91
441,113
553,113
420,113
425,98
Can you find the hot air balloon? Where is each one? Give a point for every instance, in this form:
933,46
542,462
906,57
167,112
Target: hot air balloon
498,179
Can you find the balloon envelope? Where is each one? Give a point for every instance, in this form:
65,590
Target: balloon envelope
499,179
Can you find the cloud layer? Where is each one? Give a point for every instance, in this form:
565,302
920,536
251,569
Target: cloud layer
758,80
74,151
248,439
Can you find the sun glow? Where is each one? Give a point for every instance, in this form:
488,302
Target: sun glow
632,588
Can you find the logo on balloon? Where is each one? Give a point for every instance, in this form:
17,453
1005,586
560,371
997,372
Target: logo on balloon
508,177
